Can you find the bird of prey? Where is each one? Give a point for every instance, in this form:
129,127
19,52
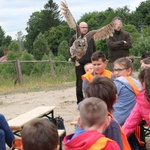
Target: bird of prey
79,46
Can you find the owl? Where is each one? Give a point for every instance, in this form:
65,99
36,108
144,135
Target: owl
79,46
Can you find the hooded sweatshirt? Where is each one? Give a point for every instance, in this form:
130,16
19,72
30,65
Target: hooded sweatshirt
140,111
126,99
89,140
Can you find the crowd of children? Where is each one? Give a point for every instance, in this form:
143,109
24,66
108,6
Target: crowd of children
114,105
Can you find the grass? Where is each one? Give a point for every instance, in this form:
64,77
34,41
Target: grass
37,83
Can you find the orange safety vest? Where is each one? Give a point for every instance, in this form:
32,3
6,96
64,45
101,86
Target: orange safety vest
125,143
89,76
100,143
133,85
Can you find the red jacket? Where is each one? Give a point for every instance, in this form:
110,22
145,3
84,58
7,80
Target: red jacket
90,140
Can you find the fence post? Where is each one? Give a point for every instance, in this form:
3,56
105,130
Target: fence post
51,66
19,73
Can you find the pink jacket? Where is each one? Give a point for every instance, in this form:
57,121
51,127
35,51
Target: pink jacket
140,111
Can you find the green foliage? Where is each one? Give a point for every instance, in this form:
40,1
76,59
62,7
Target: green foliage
63,49
14,46
146,31
1,51
27,56
27,67
141,16
20,40
141,46
54,36
136,64
132,30
124,14
2,37
40,47
102,46
13,55
4,41
41,21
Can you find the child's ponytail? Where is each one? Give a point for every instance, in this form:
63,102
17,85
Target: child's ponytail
147,83
144,77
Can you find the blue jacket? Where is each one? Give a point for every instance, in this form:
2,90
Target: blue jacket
126,99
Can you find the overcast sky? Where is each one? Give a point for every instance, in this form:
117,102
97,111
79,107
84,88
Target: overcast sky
14,14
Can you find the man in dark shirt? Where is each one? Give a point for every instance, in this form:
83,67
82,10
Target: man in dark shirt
79,65
119,44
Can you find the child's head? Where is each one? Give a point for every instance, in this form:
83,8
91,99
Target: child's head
144,77
123,66
145,55
93,113
88,67
40,134
103,88
145,63
99,62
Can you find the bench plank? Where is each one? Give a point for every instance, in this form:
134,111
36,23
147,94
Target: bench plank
18,122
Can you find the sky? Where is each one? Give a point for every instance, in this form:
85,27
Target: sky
14,14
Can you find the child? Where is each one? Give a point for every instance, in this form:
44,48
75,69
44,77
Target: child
105,89
127,89
94,119
142,108
99,64
126,94
6,135
88,67
40,134
145,63
145,55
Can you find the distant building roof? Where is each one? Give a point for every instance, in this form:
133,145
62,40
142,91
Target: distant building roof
3,58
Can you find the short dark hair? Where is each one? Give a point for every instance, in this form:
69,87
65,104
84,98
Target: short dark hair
145,55
146,60
103,88
98,55
116,18
40,134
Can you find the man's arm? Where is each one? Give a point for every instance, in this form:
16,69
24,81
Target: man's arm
127,42
114,45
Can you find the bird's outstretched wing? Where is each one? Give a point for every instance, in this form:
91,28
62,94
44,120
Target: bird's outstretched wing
68,15
104,32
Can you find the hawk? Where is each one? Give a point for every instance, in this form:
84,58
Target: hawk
79,46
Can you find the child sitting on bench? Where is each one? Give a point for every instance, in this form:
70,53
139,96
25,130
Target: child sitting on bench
40,134
94,120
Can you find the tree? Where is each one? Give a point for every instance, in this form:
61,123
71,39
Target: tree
2,36
141,16
13,46
40,22
20,40
55,36
40,47
63,49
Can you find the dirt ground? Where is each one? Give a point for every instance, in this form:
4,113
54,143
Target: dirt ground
12,105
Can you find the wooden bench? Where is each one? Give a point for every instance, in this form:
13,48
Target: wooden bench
18,122
73,123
